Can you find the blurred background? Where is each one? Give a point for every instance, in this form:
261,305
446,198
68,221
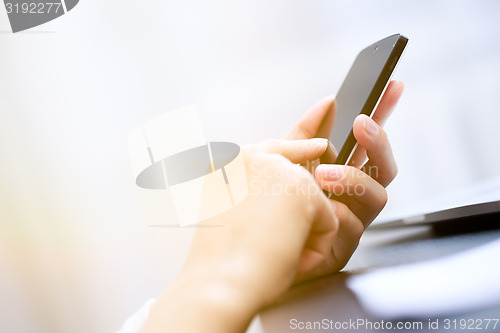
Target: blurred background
77,253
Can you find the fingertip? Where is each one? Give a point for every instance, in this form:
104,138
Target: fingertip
398,84
366,130
396,89
333,103
370,126
329,98
358,126
360,118
326,102
318,144
388,102
329,173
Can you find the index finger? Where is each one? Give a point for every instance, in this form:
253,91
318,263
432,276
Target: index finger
388,102
384,109
296,151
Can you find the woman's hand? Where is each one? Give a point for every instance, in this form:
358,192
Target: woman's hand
358,189
245,258
286,230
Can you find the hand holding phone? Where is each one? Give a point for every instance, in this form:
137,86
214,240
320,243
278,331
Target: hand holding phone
354,210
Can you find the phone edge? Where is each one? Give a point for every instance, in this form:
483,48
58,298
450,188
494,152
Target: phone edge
349,146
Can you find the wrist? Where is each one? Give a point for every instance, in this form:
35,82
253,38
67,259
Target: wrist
196,302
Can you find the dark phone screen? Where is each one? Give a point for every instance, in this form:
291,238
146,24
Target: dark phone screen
359,84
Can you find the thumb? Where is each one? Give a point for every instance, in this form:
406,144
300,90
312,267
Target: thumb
297,151
317,122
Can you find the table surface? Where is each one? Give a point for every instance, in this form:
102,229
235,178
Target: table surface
330,298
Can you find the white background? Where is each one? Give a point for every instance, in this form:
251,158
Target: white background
76,252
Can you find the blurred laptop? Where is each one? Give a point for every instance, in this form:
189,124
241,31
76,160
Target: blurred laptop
480,203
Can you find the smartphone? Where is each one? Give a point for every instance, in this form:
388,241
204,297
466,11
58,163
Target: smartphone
362,89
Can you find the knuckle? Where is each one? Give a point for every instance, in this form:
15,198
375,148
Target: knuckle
353,225
390,175
357,229
383,198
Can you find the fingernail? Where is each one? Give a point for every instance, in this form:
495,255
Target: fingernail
319,142
322,141
330,172
370,126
